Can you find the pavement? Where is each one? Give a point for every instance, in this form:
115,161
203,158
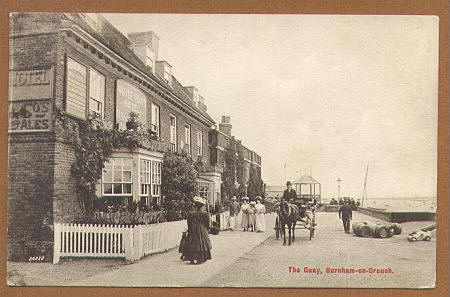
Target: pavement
250,259
167,270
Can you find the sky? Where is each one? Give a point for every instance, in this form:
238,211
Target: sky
325,95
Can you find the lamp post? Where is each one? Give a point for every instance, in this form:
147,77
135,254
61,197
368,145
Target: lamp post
339,188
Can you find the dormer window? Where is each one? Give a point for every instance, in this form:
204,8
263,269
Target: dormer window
150,63
193,94
164,71
167,76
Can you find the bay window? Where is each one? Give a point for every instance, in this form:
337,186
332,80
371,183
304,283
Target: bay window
156,180
150,181
117,177
145,179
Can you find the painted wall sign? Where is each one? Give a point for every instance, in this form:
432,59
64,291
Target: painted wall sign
76,89
129,99
30,115
30,84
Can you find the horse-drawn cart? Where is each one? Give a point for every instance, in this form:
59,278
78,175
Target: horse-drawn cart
291,213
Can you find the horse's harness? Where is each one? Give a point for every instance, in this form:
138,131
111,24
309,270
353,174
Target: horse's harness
299,210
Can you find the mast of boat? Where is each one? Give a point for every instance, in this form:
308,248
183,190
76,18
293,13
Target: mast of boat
365,182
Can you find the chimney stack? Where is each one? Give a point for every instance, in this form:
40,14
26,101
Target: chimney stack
225,126
201,103
145,46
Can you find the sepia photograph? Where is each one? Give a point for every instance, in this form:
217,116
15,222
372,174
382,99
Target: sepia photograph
222,150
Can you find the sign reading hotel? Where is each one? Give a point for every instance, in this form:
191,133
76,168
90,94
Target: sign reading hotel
129,99
30,84
30,106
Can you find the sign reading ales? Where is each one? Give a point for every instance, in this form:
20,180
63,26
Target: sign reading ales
25,116
30,105
129,99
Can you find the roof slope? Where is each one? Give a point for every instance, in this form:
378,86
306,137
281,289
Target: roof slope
306,179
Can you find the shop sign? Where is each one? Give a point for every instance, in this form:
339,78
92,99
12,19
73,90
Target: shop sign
30,115
129,99
30,84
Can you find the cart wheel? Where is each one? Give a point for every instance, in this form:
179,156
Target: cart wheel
428,238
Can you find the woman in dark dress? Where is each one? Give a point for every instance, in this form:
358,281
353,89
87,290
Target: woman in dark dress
198,245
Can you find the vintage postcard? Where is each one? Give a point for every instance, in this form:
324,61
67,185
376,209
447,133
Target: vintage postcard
222,150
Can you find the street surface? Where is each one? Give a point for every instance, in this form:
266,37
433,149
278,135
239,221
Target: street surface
400,263
246,259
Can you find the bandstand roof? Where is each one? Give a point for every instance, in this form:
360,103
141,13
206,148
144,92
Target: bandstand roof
306,179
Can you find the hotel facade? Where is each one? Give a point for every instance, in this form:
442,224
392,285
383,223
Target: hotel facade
81,64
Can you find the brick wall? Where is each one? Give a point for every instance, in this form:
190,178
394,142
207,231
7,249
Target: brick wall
31,159
30,194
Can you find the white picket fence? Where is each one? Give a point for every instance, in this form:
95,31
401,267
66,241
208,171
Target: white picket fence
115,241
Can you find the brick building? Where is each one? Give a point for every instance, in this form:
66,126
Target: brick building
80,63
220,140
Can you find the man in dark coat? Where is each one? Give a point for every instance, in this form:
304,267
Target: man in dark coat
289,194
345,213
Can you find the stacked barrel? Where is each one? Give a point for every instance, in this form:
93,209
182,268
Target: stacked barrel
376,230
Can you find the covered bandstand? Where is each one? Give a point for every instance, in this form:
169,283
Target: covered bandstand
307,188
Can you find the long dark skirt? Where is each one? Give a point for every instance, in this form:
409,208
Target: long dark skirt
199,256
198,245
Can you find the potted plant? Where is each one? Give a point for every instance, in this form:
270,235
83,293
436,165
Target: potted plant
133,122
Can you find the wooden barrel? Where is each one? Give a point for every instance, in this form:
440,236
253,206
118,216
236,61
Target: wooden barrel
398,228
391,230
378,230
382,231
354,225
361,229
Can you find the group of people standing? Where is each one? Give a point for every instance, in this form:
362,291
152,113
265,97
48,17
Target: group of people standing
343,201
252,215
195,244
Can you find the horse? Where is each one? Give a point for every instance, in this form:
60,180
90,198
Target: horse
288,214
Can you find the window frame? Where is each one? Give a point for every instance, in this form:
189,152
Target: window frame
70,59
187,127
146,183
201,186
199,142
173,134
102,112
156,127
156,180
122,182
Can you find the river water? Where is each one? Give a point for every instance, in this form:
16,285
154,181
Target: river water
420,204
